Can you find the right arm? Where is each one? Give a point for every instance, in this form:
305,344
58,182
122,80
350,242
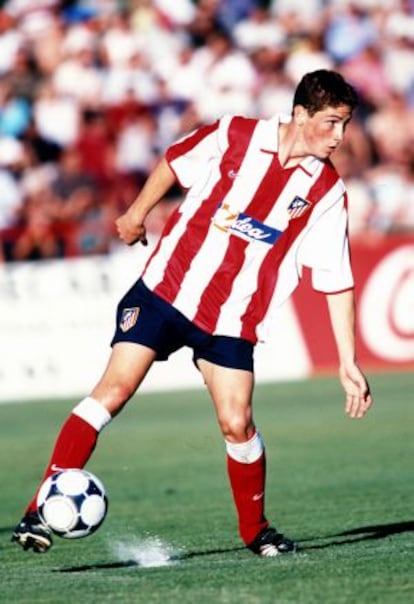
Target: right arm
341,307
130,225
188,158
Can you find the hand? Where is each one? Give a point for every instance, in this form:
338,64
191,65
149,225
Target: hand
130,231
358,396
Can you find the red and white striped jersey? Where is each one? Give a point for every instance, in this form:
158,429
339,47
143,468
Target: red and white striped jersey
235,247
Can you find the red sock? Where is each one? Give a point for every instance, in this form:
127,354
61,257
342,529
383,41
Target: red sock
247,481
73,448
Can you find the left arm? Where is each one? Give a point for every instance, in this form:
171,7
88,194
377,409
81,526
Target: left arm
130,225
342,315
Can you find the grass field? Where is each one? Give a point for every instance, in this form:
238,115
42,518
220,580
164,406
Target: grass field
344,489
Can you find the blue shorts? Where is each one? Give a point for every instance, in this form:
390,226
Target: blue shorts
144,318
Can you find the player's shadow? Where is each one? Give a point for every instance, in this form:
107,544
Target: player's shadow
127,563
363,533
356,535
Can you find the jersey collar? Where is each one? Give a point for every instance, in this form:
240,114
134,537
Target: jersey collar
270,141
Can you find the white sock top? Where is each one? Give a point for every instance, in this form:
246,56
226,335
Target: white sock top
247,452
93,413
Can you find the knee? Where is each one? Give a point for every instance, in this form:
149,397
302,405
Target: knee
236,425
112,396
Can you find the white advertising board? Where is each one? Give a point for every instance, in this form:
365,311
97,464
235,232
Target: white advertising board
57,319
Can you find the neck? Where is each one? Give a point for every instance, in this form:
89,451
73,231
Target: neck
291,148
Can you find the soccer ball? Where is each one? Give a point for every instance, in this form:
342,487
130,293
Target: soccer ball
72,503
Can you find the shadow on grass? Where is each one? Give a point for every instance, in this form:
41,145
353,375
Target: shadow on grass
127,563
356,535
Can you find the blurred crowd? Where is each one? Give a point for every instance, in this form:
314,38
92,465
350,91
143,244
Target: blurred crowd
93,91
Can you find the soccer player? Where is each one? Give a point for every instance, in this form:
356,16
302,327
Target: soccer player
263,200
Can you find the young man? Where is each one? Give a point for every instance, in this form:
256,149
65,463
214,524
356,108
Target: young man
262,201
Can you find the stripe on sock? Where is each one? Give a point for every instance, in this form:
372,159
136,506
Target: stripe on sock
247,452
93,413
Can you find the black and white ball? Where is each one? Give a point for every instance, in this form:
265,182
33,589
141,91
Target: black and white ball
72,503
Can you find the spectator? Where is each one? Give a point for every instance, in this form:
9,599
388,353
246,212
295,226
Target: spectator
24,76
106,87
134,152
275,90
43,37
186,80
258,30
14,112
134,77
306,14
78,78
229,78
95,146
36,239
392,187
349,31
399,63
118,41
177,13
56,118
12,160
307,54
393,116
68,186
361,210
11,41
366,71
82,218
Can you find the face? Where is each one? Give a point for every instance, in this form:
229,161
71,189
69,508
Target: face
323,132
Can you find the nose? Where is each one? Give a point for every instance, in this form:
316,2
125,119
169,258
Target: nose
339,132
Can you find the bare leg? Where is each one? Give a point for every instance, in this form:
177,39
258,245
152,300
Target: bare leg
127,367
231,391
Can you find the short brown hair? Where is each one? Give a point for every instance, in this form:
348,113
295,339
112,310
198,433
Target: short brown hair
324,88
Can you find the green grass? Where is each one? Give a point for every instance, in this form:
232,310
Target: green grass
344,489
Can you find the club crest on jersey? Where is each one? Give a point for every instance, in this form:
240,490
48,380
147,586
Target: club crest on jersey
298,207
129,317
244,226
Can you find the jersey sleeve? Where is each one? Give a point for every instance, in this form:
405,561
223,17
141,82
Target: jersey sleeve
326,250
189,157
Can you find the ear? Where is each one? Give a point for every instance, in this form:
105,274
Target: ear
299,114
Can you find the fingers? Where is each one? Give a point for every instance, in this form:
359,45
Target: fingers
357,404
131,233
358,395
132,239
143,240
